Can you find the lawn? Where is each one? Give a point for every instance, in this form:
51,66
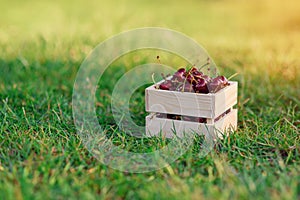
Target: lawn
42,45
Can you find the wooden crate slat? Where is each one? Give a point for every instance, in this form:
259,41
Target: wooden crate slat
227,123
225,99
182,103
154,125
191,104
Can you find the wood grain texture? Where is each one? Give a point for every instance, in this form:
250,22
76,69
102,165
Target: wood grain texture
166,127
225,98
227,124
191,104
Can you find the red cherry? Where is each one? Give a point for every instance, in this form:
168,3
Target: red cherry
206,78
201,86
202,120
215,84
181,70
166,85
178,76
197,73
224,80
190,78
188,87
193,69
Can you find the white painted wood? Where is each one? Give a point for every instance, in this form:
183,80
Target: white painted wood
191,104
156,126
210,121
225,98
227,124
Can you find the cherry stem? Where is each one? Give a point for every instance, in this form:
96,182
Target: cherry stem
233,75
182,90
155,84
205,64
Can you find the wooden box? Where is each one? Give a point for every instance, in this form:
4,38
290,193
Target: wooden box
215,108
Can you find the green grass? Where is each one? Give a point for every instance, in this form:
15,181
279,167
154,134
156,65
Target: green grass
42,45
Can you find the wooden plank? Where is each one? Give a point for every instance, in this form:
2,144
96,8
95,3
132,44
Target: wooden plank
155,126
181,103
225,99
191,104
227,124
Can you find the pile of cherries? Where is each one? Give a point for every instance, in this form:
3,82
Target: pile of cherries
193,80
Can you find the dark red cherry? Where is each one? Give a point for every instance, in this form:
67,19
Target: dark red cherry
193,69
206,78
171,116
201,86
223,79
197,73
181,70
190,78
215,85
188,87
166,85
178,76
202,120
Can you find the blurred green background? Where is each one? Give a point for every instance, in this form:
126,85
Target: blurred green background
254,33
